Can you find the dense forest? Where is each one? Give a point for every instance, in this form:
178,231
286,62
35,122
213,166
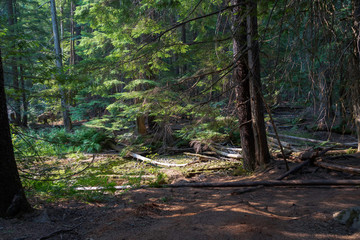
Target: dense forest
143,79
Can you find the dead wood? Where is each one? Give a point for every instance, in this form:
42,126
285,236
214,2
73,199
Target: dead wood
295,169
268,183
312,154
337,167
156,163
269,214
235,149
229,155
257,184
147,160
338,152
200,156
178,150
316,141
274,141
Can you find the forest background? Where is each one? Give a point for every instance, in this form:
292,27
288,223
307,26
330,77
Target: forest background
155,75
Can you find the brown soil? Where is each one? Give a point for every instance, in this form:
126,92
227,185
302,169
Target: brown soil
203,213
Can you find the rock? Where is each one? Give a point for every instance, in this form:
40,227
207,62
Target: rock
350,217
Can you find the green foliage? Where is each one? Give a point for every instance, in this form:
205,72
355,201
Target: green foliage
66,189
161,179
57,142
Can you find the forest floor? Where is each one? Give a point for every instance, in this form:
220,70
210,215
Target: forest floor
301,212
200,213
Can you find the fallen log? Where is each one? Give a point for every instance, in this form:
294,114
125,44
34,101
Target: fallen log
229,155
259,184
147,160
268,183
200,156
229,148
156,163
275,142
316,141
337,167
104,188
295,169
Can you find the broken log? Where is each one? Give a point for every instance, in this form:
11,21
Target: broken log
229,155
147,160
156,163
269,183
200,156
316,141
295,169
337,167
235,149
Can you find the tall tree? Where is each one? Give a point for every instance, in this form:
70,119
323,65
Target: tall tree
355,90
12,197
242,83
246,76
14,66
257,105
64,105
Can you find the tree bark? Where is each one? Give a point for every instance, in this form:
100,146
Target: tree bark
257,106
12,197
24,120
242,89
64,105
355,91
14,67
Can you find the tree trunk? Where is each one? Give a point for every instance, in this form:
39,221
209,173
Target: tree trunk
183,69
12,197
14,67
257,106
64,105
72,34
24,121
355,91
242,89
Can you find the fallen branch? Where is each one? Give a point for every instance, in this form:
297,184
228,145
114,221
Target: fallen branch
104,188
295,169
337,167
229,155
259,184
147,160
275,142
200,156
269,183
229,148
316,141
156,163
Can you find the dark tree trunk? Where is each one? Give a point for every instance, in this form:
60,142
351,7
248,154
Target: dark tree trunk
64,105
12,197
72,34
242,89
257,105
14,67
183,69
355,91
24,121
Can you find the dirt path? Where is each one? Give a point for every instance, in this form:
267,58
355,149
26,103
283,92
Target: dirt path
188,213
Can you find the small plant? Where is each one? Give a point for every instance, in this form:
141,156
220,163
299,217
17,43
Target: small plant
161,178
165,199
